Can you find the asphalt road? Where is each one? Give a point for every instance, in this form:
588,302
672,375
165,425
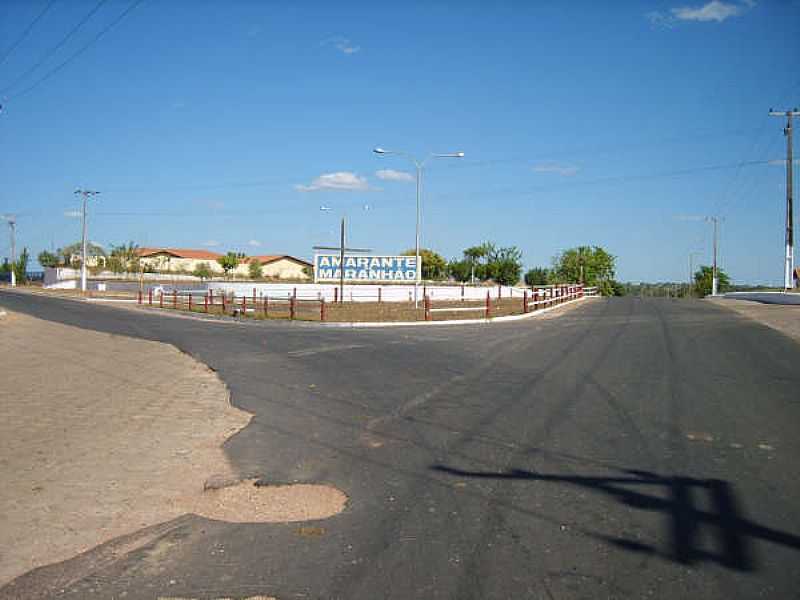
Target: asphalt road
628,449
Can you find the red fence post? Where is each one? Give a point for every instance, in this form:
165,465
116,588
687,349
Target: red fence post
161,299
174,298
488,304
336,294
535,299
140,296
150,296
426,302
292,301
190,302
322,309
266,306
524,302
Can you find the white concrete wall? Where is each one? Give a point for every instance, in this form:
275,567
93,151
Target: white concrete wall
363,293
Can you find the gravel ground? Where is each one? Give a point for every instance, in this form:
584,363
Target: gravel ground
103,435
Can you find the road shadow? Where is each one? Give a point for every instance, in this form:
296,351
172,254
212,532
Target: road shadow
733,532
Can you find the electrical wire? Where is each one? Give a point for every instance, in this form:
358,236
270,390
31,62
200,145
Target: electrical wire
27,31
612,180
80,51
55,48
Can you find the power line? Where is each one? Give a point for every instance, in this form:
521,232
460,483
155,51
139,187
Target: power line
614,179
25,33
55,48
81,50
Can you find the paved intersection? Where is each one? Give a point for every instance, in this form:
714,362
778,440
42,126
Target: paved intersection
627,448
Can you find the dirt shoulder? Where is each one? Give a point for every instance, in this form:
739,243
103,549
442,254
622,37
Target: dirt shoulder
100,436
783,318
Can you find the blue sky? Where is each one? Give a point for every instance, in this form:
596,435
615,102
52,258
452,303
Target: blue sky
228,124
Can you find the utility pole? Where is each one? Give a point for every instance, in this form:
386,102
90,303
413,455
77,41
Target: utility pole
342,248
341,261
714,271
86,195
788,273
12,224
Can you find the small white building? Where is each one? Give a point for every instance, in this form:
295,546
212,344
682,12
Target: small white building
178,259
186,260
277,267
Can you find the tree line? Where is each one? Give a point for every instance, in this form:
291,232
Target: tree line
589,265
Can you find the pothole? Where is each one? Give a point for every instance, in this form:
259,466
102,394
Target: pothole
246,502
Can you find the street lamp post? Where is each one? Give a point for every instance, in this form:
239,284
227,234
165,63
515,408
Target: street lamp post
420,165
86,195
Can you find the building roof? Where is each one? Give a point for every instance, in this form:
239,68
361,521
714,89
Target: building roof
266,259
180,253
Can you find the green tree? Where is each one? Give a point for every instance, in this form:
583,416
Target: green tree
229,262
703,281
255,269
21,266
460,270
478,257
202,270
590,265
434,266
618,289
47,259
537,276
124,258
504,265
67,252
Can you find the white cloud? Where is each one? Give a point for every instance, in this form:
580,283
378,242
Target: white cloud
72,213
342,44
716,10
782,162
341,180
211,243
254,243
713,11
657,18
565,170
392,175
